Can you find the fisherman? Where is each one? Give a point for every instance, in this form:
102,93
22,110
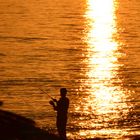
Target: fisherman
61,106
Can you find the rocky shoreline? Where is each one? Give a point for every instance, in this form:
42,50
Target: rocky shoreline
17,127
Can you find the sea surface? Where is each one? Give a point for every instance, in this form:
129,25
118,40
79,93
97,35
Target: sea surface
91,47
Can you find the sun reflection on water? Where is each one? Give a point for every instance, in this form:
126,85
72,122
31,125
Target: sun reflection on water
103,63
105,91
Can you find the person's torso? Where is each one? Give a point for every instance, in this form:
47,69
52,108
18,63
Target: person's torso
62,106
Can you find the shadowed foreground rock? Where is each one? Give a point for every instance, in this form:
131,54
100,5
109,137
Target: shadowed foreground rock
16,127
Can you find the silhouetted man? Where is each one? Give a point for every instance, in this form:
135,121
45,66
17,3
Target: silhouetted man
61,106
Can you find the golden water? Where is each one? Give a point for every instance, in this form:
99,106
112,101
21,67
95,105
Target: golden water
91,47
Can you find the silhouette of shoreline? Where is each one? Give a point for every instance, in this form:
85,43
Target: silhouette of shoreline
17,127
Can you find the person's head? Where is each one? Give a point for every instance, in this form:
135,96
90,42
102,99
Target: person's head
63,92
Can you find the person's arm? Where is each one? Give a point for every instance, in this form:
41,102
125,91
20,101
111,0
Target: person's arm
54,104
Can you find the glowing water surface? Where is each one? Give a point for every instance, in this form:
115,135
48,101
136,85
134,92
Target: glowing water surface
103,107
91,47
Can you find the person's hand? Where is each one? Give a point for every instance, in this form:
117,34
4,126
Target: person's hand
54,100
51,103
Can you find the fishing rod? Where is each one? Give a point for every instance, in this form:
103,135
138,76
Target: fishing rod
47,94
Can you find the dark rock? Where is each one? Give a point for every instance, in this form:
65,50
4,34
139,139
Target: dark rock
17,127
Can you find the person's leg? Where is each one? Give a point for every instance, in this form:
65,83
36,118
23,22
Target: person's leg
62,133
61,127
